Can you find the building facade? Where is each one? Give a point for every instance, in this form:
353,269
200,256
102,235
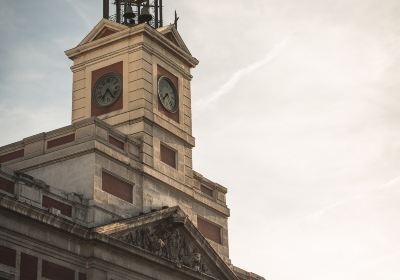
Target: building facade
114,195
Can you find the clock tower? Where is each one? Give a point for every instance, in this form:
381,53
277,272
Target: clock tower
137,79
135,76
114,194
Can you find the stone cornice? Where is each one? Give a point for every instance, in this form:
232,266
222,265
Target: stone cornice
95,236
103,23
170,29
188,140
201,178
70,129
44,217
132,48
164,214
185,189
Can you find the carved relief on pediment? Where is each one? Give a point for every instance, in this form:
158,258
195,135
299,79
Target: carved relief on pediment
167,239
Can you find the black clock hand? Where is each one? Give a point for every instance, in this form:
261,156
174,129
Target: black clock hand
105,93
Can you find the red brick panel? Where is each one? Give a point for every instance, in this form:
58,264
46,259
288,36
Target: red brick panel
65,209
97,74
206,190
28,267
56,272
168,155
117,187
6,185
115,142
160,73
61,141
82,276
104,33
171,38
12,155
7,256
209,230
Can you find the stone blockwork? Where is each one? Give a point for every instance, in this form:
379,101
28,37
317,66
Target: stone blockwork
64,249
58,248
144,52
108,168
76,168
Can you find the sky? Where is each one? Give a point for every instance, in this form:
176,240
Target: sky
296,110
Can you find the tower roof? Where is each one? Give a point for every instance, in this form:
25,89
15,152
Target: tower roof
107,32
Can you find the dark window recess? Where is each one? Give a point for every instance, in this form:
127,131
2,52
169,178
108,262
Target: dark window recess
12,155
168,155
28,268
117,187
60,141
206,190
7,256
56,272
6,185
82,276
209,230
65,209
115,142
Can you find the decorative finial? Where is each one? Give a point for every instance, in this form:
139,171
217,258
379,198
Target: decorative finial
176,20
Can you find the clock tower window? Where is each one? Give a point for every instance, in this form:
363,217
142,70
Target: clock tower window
168,155
117,187
209,230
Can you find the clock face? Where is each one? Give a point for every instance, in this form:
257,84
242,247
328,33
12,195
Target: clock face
168,94
107,89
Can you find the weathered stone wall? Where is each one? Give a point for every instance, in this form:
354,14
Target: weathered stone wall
76,168
79,154
76,252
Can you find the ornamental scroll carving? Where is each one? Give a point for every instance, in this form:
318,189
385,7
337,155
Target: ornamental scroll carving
167,240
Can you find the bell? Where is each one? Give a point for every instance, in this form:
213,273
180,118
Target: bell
129,14
145,15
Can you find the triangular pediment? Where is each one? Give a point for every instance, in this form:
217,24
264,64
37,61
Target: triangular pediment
169,234
173,35
103,29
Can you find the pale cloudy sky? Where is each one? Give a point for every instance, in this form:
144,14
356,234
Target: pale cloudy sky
296,111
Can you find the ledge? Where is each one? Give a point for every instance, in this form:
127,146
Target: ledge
83,131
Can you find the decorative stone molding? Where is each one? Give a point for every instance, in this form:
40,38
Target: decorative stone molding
167,240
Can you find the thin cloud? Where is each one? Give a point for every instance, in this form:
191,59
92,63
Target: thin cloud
238,75
78,9
390,184
378,261
317,215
